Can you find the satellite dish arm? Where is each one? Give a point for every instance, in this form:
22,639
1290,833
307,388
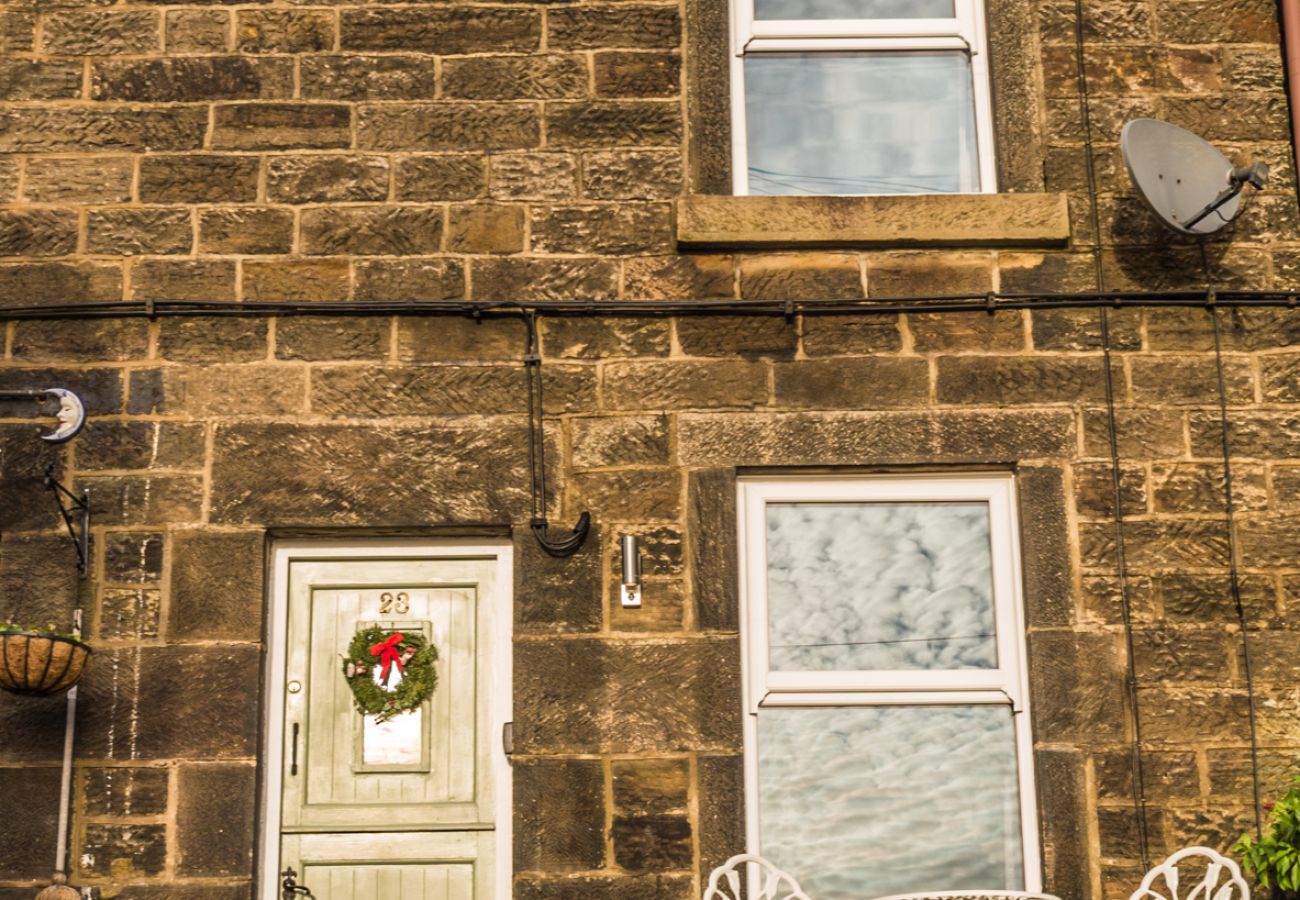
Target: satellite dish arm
1255,174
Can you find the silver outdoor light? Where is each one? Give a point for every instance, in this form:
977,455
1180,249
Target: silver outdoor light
630,590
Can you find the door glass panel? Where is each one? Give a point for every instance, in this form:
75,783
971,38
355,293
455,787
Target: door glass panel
860,123
397,742
862,802
879,586
854,9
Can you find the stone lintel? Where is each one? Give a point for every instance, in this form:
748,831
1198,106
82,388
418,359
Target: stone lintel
930,220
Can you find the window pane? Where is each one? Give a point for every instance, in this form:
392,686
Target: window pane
854,9
862,802
870,586
860,123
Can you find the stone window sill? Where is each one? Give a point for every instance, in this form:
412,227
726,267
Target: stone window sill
930,220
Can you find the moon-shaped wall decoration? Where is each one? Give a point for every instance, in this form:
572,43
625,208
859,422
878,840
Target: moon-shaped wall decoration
71,416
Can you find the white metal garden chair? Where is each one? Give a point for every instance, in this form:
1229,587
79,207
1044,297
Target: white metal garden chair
726,880
971,895
1201,885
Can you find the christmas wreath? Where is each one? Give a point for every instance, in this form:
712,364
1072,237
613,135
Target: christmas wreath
406,659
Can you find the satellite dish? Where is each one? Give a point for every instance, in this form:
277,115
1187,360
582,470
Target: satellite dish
1187,182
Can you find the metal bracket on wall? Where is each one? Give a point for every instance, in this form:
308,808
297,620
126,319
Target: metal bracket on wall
80,539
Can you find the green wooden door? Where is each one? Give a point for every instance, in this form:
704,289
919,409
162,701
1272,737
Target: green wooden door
402,809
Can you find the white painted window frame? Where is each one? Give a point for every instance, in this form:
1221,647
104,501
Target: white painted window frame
1008,684
501,690
967,30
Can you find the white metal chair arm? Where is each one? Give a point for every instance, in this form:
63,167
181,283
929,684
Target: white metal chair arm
1206,888
725,882
971,895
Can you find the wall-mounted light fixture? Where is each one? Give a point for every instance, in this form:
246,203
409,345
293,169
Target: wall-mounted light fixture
630,589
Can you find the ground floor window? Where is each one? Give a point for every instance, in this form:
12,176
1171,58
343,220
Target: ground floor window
886,729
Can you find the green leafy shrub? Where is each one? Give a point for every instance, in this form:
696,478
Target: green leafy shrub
1274,860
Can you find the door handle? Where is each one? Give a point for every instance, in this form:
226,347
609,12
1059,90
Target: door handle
293,759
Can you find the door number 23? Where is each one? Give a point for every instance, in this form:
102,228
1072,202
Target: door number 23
399,603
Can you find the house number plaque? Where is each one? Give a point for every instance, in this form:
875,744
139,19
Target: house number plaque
399,603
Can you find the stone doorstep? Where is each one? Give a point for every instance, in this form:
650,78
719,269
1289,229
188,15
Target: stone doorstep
930,220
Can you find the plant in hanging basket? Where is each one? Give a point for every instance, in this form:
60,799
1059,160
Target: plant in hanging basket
40,661
390,672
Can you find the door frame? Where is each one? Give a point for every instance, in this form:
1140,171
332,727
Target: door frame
277,619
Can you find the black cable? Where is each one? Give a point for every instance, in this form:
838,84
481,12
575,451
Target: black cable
569,544
1230,505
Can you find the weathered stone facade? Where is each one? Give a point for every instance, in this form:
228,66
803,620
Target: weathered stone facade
283,151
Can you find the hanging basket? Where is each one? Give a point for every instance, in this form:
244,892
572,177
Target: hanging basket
39,664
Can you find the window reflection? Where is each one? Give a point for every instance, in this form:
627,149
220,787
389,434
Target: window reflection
853,9
397,742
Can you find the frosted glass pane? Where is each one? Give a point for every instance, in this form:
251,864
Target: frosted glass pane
862,802
870,586
397,742
854,9
860,123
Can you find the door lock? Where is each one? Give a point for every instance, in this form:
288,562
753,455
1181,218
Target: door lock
291,889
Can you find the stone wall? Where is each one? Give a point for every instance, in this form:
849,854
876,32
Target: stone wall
292,152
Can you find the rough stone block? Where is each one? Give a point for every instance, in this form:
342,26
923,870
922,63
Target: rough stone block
1156,544
1280,378
536,77
447,177
197,30
1182,655
27,841
926,220
1203,599
182,80
1253,435
98,33
485,228
684,384
161,279
448,126
654,843
869,383
1165,775
447,339
1001,381
662,610
1075,329
1176,381
135,232
929,274
721,809
79,129
92,179
142,445
1204,21
145,499
574,278
629,495
1059,774
284,30
808,276
133,557
317,279
604,229
22,79
605,27
38,232
324,337
629,74
930,438
1094,490
442,30
245,230
560,815
88,340
1265,541
1078,686
198,179
613,123
605,887
596,338
319,179
1141,433
123,852
216,587
214,820
627,696
281,126
126,791
211,339
234,390
679,277
410,279
347,474
557,595
130,614
634,175
851,335
1184,715
356,77
1198,487
532,176
938,332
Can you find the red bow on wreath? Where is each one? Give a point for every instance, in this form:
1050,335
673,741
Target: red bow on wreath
386,650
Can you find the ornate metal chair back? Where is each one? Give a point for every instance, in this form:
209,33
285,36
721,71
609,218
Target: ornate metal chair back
1220,880
728,881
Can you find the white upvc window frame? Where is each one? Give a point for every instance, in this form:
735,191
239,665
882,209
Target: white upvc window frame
1007,685
966,31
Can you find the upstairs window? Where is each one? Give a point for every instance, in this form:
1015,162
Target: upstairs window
861,97
887,740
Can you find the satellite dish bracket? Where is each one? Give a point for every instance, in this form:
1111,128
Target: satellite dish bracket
1255,174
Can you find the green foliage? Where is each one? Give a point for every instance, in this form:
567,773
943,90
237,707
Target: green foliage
1274,860
419,677
51,630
